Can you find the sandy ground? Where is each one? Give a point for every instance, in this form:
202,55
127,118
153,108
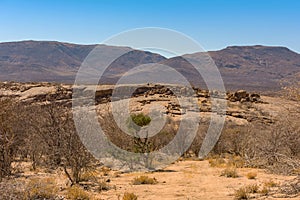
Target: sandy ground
183,180
189,180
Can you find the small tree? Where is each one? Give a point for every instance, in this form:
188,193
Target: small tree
141,144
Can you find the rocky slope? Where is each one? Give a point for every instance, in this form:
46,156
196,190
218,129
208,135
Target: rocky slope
243,107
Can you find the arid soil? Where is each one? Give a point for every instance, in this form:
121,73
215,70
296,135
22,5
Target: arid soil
181,181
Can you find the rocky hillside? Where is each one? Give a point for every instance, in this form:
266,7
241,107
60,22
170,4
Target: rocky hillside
255,68
243,107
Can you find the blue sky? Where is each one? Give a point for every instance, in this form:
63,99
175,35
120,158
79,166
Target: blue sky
215,24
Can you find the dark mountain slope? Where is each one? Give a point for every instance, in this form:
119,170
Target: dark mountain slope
259,68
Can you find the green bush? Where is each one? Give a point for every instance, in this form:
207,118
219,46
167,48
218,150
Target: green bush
141,119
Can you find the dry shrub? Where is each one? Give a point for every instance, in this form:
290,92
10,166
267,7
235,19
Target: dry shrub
244,192
217,162
264,191
105,171
41,188
103,186
270,184
11,134
129,196
88,176
291,188
144,180
241,193
236,161
231,140
270,146
251,175
12,190
77,193
230,172
253,188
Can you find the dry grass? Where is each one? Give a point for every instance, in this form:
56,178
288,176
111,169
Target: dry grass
105,171
230,172
129,196
103,186
251,175
244,192
264,191
144,180
241,193
88,176
270,184
236,161
253,188
77,193
44,188
217,162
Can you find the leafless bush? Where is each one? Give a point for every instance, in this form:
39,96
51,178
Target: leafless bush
55,139
10,136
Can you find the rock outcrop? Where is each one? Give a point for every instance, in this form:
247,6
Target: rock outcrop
142,95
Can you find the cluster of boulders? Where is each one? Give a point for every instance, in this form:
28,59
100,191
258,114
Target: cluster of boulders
158,89
47,93
202,93
243,96
174,109
36,92
104,94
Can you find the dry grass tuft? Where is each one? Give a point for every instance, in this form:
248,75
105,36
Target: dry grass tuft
77,193
254,188
144,180
264,191
230,172
270,184
217,162
44,188
244,192
103,186
251,175
241,193
236,161
129,196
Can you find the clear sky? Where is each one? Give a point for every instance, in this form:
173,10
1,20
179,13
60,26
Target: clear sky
215,24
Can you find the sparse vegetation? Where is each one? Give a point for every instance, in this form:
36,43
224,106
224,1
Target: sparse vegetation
251,175
50,144
246,191
129,196
10,136
43,188
253,188
77,193
144,180
103,186
242,193
264,191
230,172
217,162
270,184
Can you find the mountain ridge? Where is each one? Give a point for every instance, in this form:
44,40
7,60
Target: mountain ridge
254,67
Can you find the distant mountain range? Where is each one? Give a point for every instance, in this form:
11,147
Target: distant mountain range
256,68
